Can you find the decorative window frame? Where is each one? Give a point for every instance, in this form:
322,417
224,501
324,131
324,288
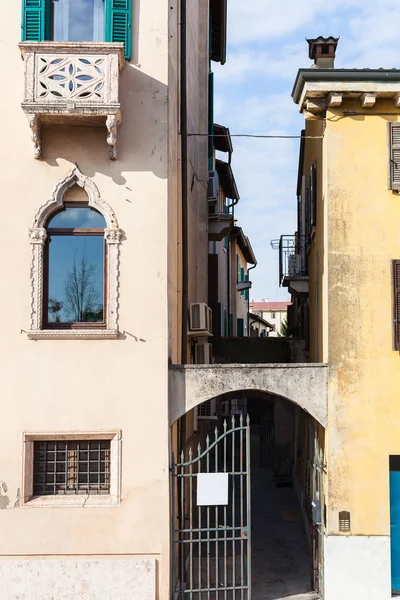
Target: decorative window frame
65,501
38,235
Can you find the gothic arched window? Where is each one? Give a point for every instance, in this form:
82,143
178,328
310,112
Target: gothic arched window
74,275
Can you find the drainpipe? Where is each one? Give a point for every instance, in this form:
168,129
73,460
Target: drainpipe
229,258
248,299
184,173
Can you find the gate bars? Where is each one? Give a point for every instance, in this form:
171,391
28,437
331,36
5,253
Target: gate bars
211,553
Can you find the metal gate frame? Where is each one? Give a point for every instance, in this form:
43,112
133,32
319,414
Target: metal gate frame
213,532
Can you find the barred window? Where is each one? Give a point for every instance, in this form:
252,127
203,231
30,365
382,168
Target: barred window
71,467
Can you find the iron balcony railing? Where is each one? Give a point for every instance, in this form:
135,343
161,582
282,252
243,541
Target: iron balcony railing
292,257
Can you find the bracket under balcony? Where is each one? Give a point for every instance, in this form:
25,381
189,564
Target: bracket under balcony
72,83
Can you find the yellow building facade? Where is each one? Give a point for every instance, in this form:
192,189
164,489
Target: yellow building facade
349,210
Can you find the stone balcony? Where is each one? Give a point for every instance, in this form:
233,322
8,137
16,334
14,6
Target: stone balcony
72,83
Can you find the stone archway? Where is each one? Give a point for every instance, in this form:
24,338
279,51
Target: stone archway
302,384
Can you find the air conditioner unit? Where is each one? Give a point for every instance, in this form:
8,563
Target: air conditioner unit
213,186
200,317
202,353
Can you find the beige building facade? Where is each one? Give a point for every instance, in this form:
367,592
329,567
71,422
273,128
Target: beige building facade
93,129
273,312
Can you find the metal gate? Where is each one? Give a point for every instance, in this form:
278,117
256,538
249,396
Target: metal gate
211,554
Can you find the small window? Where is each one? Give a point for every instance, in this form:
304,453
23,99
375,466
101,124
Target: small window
71,467
273,315
74,269
77,20
74,274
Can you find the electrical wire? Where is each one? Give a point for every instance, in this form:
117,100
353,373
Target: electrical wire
251,135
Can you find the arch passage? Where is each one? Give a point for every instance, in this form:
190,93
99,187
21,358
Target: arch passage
302,384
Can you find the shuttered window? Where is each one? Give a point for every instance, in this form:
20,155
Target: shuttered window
118,23
394,156
36,22
313,194
240,327
396,303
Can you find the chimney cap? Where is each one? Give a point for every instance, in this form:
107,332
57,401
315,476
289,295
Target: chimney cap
322,46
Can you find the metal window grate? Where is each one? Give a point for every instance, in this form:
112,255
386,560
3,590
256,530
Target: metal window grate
71,467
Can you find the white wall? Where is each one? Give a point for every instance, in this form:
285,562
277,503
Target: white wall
357,568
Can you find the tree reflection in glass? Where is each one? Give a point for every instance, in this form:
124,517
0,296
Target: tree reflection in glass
75,273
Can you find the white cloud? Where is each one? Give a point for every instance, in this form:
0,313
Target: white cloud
266,47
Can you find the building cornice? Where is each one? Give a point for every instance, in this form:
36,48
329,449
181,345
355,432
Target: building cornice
315,90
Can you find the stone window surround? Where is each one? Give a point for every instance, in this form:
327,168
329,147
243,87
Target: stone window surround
38,236
79,500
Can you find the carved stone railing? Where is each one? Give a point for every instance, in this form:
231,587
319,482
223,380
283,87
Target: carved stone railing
72,80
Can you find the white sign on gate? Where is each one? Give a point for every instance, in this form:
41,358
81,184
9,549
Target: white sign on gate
212,489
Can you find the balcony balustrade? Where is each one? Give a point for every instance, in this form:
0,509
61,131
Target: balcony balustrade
293,266
72,83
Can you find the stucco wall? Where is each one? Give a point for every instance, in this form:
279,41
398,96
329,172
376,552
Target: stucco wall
91,385
364,381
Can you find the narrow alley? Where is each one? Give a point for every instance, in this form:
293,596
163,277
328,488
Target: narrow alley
280,550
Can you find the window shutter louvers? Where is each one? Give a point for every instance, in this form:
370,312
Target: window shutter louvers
119,23
35,20
394,157
313,195
396,302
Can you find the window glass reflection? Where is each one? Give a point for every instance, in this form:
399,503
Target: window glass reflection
76,279
77,217
78,20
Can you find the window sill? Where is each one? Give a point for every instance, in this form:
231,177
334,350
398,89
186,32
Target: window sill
73,334
79,501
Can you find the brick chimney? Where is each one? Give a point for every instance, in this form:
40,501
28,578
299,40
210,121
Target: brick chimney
323,51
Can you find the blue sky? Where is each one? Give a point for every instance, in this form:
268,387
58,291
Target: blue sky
266,46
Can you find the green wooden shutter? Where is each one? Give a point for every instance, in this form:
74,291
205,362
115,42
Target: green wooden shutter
240,327
119,23
35,20
242,279
246,292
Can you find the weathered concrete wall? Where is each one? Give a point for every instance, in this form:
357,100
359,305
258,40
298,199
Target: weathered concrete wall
258,350
357,567
303,384
124,578
364,383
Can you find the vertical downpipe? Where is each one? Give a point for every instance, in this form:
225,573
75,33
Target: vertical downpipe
248,300
184,154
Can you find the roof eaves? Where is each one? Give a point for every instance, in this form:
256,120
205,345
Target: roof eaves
227,180
222,139
219,27
346,75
